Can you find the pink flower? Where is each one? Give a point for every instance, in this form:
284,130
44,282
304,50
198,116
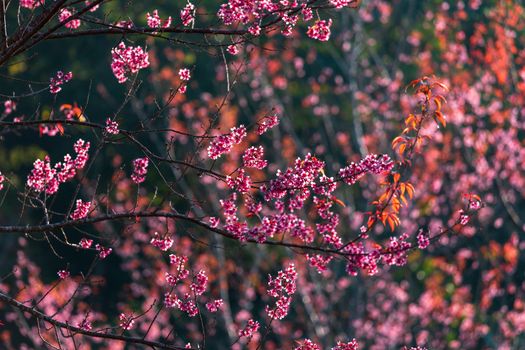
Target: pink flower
184,74
81,211
353,345
127,60
63,274
85,243
215,305
250,328
423,240
320,30
2,179
43,177
200,283
253,158
282,287
126,322
267,123
255,29
81,147
187,14
232,49
125,24
224,143
171,300
140,169
241,183
338,4
161,243
111,127
64,15
94,8
371,163
154,20
31,4
307,344
59,79
307,14
103,252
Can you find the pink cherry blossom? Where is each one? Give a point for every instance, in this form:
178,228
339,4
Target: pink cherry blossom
127,60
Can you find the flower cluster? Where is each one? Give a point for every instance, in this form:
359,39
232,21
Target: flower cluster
295,181
81,211
43,177
64,15
126,60
2,179
187,14
338,4
353,345
111,127
154,20
103,252
186,302
163,244
250,328
126,322
359,258
320,30
319,262
423,240
267,123
251,12
253,158
200,283
184,74
181,272
59,79
241,183
371,163
31,4
85,243
397,251
140,169
224,143
214,305
307,344
94,8
282,288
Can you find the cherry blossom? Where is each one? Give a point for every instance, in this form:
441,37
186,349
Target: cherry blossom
31,4
250,328
187,14
320,30
127,60
140,169
111,127
184,74
59,79
64,15
154,20
81,210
